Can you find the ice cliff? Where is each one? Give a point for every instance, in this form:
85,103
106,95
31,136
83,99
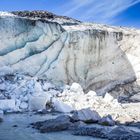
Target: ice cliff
64,50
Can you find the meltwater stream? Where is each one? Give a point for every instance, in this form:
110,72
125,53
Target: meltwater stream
16,127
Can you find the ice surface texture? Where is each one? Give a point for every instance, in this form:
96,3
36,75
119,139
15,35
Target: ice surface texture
98,57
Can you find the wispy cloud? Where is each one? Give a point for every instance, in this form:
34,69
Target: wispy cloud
99,10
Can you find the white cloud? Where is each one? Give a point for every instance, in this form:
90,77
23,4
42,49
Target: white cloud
102,10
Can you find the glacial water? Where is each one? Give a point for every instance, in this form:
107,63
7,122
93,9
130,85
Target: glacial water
24,132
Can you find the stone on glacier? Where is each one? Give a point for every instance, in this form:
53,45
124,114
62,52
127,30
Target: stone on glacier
75,87
7,104
61,107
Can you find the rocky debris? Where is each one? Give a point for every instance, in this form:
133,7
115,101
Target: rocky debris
76,124
117,133
107,121
86,115
45,15
123,133
33,14
98,132
59,124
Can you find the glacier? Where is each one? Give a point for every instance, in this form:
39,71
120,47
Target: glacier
62,51
99,57
54,65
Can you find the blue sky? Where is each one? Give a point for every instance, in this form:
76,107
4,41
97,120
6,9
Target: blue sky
114,12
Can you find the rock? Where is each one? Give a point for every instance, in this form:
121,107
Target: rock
123,133
75,87
108,98
59,124
123,99
107,121
15,125
61,107
99,132
86,115
75,125
7,104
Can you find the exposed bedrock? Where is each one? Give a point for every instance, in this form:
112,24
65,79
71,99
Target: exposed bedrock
98,57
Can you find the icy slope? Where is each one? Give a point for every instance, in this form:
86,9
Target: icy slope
64,50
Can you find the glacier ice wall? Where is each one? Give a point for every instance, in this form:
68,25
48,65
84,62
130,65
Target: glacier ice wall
98,57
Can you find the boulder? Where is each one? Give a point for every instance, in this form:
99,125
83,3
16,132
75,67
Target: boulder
123,133
86,115
107,121
75,125
59,124
99,132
